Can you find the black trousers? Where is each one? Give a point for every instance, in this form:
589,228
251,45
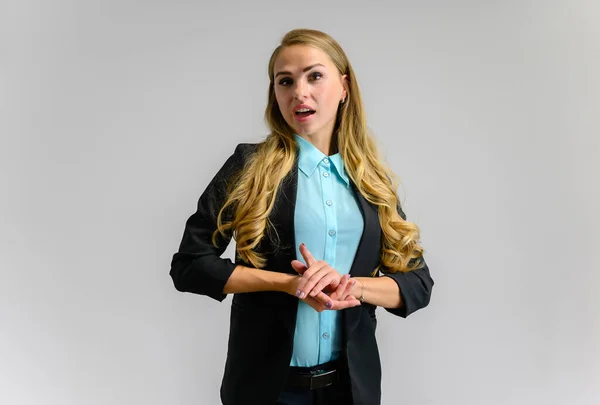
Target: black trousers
339,393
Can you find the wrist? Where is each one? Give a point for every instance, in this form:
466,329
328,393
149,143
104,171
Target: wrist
288,283
359,289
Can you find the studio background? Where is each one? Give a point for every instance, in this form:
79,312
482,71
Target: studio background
115,115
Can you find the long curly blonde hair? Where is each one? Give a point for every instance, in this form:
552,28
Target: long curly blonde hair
251,195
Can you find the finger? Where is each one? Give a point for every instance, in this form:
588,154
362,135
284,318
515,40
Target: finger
299,266
312,269
347,289
330,278
323,299
328,289
328,303
339,291
315,304
322,270
311,277
334,282
330,281
308,257
349,303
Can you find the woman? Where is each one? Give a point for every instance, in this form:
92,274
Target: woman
303,332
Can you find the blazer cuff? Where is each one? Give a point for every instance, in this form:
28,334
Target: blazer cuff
415,290
213,276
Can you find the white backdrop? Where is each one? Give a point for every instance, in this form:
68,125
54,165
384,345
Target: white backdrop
116,114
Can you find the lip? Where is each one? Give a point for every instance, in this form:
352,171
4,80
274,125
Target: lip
299,106
303,119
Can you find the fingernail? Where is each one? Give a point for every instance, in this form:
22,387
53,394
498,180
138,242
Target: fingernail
297,293
302,244
313,293
301,295
328,304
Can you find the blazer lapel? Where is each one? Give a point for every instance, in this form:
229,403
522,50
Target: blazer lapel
283,218
367,255
369,239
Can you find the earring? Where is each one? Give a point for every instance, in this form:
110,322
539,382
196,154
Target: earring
343,100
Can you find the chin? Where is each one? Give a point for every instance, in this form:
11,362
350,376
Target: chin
305,130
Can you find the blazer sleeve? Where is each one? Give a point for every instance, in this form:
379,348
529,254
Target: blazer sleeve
415,286
197,267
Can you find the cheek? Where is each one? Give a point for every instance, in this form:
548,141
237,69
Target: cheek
320,92
327,94
282,101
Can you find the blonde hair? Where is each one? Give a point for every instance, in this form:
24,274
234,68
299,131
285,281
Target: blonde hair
251,195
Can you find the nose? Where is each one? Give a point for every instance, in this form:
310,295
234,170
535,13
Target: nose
299,89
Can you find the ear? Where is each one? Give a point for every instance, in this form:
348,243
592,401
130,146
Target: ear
345,86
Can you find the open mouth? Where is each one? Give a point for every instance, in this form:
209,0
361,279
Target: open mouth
305,112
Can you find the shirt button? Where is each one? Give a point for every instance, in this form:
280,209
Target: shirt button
325,335
331,232
329,202
325,174
325,160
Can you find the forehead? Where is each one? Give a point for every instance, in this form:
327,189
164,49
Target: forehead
297,57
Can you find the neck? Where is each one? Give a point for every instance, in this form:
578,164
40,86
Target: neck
324,144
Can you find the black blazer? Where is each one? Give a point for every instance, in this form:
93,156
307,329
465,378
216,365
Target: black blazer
262,323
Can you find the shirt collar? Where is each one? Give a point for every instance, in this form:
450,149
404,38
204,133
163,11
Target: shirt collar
310,157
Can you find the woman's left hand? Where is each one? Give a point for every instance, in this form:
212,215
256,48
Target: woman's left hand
341,298
317,277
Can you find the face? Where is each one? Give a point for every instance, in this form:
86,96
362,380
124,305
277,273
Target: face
305,77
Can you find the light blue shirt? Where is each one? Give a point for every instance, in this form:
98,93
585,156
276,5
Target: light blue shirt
328,220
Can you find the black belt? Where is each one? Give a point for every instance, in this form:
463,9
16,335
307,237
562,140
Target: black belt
314,380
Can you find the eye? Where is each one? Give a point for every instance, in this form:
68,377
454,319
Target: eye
316,75
284,82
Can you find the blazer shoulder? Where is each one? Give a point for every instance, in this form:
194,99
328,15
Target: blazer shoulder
244,150
236,161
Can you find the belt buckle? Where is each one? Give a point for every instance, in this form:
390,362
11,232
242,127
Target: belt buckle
314,377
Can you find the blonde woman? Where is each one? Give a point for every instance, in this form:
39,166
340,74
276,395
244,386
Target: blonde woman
321,241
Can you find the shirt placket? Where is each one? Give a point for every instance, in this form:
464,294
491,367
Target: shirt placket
326,318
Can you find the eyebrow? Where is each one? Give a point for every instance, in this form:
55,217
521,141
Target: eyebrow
306,69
